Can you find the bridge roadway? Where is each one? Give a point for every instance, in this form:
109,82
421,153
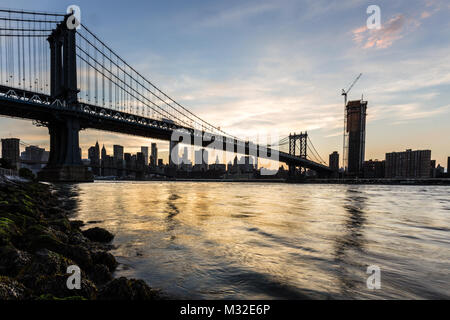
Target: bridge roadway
19,103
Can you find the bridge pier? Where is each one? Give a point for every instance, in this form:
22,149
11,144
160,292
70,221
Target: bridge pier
64,163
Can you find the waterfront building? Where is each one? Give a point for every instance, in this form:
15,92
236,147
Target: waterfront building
408,164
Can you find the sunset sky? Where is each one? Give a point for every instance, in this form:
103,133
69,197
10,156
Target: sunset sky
252,67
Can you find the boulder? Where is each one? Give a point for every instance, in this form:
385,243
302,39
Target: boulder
100,274
105,258
127,289
56,286
98,234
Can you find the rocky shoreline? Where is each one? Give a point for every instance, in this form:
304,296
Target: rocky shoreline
38,243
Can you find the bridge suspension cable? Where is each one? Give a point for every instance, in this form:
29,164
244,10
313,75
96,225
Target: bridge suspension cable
317,155
24,57
138,88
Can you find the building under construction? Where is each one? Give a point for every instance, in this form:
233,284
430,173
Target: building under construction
355,137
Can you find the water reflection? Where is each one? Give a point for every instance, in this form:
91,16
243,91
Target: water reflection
350,244
264,241
172,211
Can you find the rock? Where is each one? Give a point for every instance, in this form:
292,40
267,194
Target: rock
77,238
12,260
76,224
100,274
127,289
11,289
80,255
8,231
56,285
98,234
44,263
61,224
105,258
20,220
56,212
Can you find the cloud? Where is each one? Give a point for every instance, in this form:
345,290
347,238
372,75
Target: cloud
381,38
404,113
236,14
394,29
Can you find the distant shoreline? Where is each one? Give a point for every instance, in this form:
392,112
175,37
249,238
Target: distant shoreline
403,182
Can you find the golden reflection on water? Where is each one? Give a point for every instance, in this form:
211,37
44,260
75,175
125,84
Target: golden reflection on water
247,240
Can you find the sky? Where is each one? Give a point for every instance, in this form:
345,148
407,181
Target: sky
254,67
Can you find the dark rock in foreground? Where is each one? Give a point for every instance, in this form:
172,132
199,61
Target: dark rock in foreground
123,289
38,243
98,234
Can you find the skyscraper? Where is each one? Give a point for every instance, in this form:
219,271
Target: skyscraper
118,155
11,151
154,155
94,157
104,154
355,136
334,161
144,151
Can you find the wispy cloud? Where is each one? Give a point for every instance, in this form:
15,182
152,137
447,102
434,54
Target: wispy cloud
395,28
382,38
236,14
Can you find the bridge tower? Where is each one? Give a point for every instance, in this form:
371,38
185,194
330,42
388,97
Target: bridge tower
298,147
64,164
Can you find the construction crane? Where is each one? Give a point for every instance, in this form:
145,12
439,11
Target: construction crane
345,93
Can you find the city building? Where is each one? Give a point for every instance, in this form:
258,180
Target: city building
104,154
408,164
94,158
154,155
355,135
448,167
438,172
140,161
11,151
118,155
201,160
334,161
108,167
144,151
174,155
374,169
34,158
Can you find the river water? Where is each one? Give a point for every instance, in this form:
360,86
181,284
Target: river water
212,240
